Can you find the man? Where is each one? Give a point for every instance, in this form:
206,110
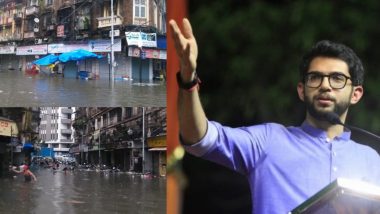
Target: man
28,175
284,165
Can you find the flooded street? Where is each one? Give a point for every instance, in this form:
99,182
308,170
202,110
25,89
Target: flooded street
83,192
18,89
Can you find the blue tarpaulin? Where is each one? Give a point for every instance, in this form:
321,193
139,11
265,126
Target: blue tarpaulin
76,55
28,146
46,60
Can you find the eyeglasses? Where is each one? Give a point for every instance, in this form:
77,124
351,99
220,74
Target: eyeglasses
336,80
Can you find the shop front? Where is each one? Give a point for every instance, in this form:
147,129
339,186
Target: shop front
8,143
157,146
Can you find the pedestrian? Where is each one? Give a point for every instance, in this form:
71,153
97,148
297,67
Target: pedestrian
28,175
284,165
61,69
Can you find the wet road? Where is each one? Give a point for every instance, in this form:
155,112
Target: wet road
18,89
83,192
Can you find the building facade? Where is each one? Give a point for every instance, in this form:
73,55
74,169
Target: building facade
56,129
34,28
119,137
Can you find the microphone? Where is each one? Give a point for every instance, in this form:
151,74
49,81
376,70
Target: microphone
334,119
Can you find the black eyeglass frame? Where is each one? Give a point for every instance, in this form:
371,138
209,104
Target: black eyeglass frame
321,77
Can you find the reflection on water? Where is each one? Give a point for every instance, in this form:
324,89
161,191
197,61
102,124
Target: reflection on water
83,192
17,89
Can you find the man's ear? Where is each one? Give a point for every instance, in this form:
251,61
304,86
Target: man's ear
357,94
301,91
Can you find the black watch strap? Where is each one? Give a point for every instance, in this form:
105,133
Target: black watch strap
187,85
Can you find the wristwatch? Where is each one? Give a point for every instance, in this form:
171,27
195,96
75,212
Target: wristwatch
189,86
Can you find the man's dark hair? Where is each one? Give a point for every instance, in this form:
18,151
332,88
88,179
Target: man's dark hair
335,50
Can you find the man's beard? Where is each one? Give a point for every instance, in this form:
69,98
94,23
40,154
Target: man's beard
339,108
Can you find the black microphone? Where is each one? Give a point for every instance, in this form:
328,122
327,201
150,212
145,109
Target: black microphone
334,119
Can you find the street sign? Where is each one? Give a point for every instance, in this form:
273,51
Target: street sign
115,33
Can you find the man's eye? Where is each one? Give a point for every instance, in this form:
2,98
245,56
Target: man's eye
338,77
314,77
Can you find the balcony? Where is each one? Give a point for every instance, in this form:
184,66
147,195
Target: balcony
106,21
66,141
81,1
66,131
66,121
15,37
31,10
66,111
4,38
28,35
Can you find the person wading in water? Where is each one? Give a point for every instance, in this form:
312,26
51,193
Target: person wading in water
28,175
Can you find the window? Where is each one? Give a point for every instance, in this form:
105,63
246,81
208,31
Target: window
128,113
30,25
49,2
140,8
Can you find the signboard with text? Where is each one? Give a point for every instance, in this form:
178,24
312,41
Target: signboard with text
32,50
141,39
8,128
104,45
60,31
149,53
9,49
157,141
92,46
62,48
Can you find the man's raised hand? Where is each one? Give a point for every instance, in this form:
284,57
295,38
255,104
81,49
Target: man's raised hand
186,48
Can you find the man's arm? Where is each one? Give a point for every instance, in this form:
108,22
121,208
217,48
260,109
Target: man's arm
16,171
192,119
34,177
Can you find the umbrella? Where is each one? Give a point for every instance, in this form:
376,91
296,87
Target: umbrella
46,60
76,55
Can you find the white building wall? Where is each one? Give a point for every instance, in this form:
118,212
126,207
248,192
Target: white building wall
52,126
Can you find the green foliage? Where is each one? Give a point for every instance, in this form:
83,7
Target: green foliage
80,123
249,53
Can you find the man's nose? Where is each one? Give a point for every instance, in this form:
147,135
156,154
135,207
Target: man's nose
325,83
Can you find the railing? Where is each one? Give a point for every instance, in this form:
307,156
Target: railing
28,35
66,121
31,10
17,37
66,131
66,111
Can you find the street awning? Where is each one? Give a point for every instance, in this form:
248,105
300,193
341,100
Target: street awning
157,149
46,60
76,55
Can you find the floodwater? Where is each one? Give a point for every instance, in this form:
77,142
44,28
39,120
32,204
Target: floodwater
83,192
18,89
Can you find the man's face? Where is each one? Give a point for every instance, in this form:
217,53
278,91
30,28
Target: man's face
325,98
